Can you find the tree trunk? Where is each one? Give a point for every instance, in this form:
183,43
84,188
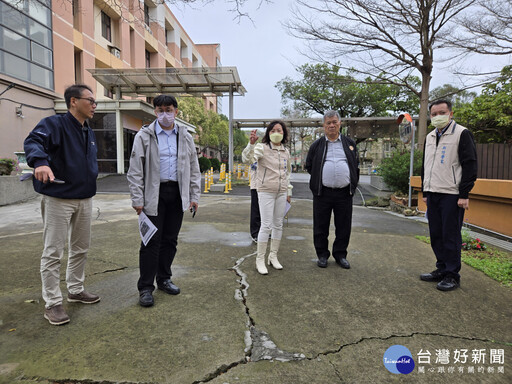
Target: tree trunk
422,124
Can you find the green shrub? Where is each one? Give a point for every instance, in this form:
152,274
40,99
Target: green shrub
395,169
215,163
7,166
204,164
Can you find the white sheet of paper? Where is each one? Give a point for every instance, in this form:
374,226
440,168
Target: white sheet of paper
288,206
146,228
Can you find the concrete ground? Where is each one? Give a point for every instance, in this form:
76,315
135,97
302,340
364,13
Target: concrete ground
303,324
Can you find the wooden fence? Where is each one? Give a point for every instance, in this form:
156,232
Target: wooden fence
494,161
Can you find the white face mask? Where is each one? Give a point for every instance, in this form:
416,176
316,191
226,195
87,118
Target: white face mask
166,119
440,121
276,137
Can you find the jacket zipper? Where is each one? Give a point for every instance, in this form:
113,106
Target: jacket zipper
278,168
322,167
432,166
349,165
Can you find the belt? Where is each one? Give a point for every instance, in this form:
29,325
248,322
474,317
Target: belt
337,189
169,182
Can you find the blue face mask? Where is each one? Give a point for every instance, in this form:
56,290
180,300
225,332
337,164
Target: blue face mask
166,119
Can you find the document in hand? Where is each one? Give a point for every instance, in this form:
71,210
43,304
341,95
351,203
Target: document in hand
146,228
288,206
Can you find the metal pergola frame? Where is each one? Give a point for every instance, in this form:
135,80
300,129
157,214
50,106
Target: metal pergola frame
150,82
358,127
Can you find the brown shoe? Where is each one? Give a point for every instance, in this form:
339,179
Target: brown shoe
56,315
83,297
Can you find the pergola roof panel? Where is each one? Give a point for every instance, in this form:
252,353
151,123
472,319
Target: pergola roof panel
151,81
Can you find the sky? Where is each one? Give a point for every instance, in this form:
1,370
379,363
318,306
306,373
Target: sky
264,52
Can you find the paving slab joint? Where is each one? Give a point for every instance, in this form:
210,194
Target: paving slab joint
81,381
109,271
337,372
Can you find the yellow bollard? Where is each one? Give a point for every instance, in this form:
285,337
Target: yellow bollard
211,177
238,173
205,183
229,177
222,173
226,186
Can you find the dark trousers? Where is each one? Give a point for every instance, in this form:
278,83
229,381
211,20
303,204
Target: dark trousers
338,201
445,220
156,258
255,214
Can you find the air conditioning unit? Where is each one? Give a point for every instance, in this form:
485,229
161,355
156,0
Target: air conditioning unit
116,52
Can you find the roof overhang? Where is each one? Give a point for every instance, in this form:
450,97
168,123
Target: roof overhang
200,81
135,108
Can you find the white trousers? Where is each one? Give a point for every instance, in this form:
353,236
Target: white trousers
64,220
272,207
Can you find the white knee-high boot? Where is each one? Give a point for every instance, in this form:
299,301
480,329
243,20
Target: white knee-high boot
260,258
272,257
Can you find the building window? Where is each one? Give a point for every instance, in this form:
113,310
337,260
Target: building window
108,93
146,15
132,47
106,26
26,41
78,67
76,13
148,59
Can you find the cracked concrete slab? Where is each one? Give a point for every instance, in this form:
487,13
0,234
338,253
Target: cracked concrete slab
302,324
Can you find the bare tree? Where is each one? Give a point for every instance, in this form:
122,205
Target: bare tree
488,31
386,39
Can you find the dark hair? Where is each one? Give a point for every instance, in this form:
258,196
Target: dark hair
75,90
165,101
437,102
266,138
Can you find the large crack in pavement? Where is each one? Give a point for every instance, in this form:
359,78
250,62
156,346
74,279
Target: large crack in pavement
259,346
412,334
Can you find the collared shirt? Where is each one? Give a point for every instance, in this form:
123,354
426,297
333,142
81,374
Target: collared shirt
168,147
439,134
335,173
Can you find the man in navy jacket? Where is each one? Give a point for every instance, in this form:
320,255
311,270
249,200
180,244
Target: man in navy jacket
333,163
62,150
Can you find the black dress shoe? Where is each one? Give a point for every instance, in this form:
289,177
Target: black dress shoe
343,263
146,299
448,284
322,262
168,287
432,276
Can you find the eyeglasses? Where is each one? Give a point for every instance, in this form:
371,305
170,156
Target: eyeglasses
90,99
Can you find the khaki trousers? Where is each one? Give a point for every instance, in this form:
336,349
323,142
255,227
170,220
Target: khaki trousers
64,220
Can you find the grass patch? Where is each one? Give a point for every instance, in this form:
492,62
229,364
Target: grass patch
496,264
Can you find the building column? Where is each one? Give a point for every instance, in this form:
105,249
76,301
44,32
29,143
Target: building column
119,134
231,128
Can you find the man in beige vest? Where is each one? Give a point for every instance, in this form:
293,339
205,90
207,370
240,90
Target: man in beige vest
448,174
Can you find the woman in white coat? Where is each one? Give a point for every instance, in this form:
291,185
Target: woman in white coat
274,189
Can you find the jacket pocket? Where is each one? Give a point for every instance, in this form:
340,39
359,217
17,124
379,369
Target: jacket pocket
263,178
454,176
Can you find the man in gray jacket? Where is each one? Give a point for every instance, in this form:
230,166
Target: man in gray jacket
164,181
